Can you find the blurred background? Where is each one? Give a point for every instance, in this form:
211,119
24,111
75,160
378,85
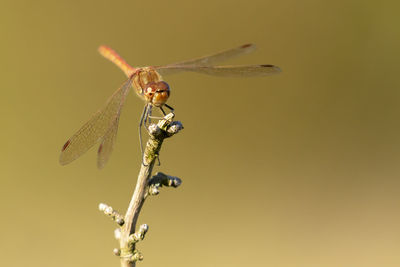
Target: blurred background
299,169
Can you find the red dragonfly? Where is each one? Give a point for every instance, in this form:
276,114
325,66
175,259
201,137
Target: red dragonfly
148,85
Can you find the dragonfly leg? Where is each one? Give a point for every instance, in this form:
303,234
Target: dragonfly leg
145,120
142,119
171,108
158,118
162,110
148,117
158,156
158,160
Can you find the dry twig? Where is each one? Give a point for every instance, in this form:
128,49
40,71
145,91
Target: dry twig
146,185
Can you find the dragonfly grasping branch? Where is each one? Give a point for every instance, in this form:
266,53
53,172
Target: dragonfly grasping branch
102,127
144,187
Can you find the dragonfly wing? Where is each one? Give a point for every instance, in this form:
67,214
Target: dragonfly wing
246,70
97,128
209,60
107,145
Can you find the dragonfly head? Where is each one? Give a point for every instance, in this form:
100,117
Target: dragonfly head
157,93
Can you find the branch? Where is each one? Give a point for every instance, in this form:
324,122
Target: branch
126,234
109,211
161,179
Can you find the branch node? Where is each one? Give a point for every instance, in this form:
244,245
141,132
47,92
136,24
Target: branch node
166,126
154,190
137,256
160,179
117,252
165,123
154,129
131,255
110,212
139,235
174,128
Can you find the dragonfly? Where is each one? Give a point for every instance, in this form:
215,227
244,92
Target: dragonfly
149,85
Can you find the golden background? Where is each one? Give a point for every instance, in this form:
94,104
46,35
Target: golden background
297,170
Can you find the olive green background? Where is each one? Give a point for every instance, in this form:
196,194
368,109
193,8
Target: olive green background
296,170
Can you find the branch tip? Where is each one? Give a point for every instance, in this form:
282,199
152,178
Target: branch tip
166,125
102,206
160,179
110,212
139,235
174,128
120,221
117,252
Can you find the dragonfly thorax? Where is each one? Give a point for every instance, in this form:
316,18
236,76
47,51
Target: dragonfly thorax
157,93
149,85
143,76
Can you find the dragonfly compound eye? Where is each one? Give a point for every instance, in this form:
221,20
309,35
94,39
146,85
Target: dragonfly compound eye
161,93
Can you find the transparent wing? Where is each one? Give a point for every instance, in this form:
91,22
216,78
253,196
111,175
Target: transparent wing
107,145
208,60
99,128
246,70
